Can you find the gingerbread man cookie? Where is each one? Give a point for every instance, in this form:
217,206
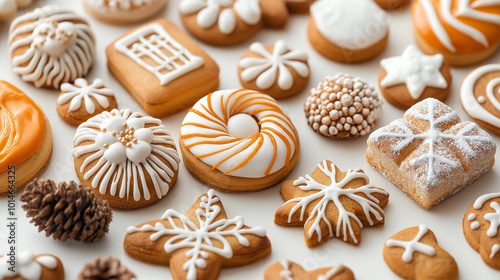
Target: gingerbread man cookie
123,11
198,244
288,270
32,267
414,253
331,203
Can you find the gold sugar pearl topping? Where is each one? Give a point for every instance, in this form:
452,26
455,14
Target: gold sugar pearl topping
127,136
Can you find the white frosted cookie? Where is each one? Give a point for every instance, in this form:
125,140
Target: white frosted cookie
123,11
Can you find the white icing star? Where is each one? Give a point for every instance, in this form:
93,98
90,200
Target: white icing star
415,69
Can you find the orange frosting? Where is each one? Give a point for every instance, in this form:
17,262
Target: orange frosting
22,126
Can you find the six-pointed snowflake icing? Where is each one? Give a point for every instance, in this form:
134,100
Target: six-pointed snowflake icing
200,239
82,91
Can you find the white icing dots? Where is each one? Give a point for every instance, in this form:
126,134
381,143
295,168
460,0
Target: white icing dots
27,266
494,250
481,99
242,126
474,225
471,217
414,245
83,91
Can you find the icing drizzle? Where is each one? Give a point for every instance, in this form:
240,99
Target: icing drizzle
82,91
186,233
114,5
28,266
414,245
332,193
286,273
59,44
269,67
127,147
492,217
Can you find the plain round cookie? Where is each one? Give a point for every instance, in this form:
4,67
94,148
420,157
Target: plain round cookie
41,267
238,141
123,11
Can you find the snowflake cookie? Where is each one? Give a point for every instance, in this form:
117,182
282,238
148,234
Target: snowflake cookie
287,270
429,153
331,203
31,267
414,253
196,245
481,225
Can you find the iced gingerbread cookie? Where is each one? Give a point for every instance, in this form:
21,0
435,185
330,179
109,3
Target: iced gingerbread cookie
412,77
343,107
348,31
464,31
127,158
288,270
29,266
123,11
198,244
391,4
82,100
223,22
481,224
238,141
25,139
275,70
480,96
50,46
331,203
299,6
162,68
414,253
430,153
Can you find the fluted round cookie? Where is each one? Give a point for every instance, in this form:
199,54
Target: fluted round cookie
391,4
238,141
127,158
50,46
32,267
82,100
275,70
123,11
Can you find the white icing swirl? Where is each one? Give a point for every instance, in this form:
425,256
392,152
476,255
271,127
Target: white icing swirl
27,266
82,91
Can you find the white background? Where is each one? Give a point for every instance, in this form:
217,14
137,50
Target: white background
258,208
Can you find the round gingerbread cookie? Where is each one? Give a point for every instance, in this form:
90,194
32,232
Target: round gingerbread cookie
343,107
391,4
127,158
82,100
480,96
32,267
412,77
238,141
348,31
123,11
25,139
275,70
465,32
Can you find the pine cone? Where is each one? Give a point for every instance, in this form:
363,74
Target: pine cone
67,211
105,269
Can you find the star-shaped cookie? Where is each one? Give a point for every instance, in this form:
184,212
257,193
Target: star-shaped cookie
331,203
287,270
196,245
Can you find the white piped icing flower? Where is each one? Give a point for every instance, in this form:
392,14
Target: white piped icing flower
82,91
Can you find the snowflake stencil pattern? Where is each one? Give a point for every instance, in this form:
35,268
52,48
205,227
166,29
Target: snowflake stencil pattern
347,195
203,232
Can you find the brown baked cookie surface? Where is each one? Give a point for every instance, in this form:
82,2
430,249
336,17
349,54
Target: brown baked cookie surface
391,4
289,270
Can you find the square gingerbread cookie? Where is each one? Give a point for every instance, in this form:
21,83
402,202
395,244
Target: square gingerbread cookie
162,68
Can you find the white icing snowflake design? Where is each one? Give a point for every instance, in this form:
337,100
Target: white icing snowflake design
332,193
413,245
199,239
82,91
270,65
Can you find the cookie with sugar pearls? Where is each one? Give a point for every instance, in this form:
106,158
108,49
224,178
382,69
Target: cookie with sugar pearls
123,11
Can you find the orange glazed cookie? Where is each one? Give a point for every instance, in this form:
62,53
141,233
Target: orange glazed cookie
481,224
162,68
323,213
464,31
430,154
414,253
29,266
238,141
391,4
198,244
128,159
25,139
287,270
348,31
123,11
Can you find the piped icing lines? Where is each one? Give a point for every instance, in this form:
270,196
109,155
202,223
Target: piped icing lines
83,91
59,44
332,272
205,133
286,273
125,149
437,132
224,13
27,265
414,245
119,4
271,67
443,15
288,270
492,217
474,105
416,70
154,49
206,233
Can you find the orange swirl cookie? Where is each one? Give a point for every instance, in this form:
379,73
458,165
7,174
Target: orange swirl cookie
123,11
464,31
238,141
25,138
29,266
